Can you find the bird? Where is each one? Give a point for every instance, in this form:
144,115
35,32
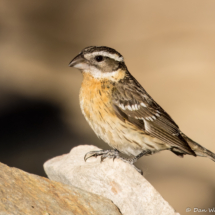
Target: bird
123,114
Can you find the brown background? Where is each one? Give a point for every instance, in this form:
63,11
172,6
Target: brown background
169,46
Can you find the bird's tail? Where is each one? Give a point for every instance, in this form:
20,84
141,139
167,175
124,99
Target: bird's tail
198,149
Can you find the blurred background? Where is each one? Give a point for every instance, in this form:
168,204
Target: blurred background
169,46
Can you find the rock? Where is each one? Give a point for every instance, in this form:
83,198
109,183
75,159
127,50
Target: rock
23,193
115,180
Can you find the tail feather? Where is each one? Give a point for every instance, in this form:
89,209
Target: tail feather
198,149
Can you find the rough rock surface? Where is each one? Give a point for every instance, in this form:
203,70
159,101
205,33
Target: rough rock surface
115,180
23,193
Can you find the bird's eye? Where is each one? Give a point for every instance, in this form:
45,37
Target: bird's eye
99,58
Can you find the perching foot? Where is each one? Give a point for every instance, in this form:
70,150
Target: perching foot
113,153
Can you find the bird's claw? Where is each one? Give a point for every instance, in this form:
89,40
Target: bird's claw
90,154
103,153
111,154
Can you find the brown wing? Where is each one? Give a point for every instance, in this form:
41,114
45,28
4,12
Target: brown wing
131,102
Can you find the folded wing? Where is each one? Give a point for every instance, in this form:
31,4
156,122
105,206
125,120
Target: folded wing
132,103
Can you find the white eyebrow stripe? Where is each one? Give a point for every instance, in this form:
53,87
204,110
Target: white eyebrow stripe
106,54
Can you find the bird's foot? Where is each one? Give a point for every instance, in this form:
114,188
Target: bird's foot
113,153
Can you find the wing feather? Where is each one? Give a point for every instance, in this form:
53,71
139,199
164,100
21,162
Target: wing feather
131,102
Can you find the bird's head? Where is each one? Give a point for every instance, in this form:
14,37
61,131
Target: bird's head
99,61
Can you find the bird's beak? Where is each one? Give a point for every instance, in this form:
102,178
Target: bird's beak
79,62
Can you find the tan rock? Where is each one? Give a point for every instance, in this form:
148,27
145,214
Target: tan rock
24,193
115,180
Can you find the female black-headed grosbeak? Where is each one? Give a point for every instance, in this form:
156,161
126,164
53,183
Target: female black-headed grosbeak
122,113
